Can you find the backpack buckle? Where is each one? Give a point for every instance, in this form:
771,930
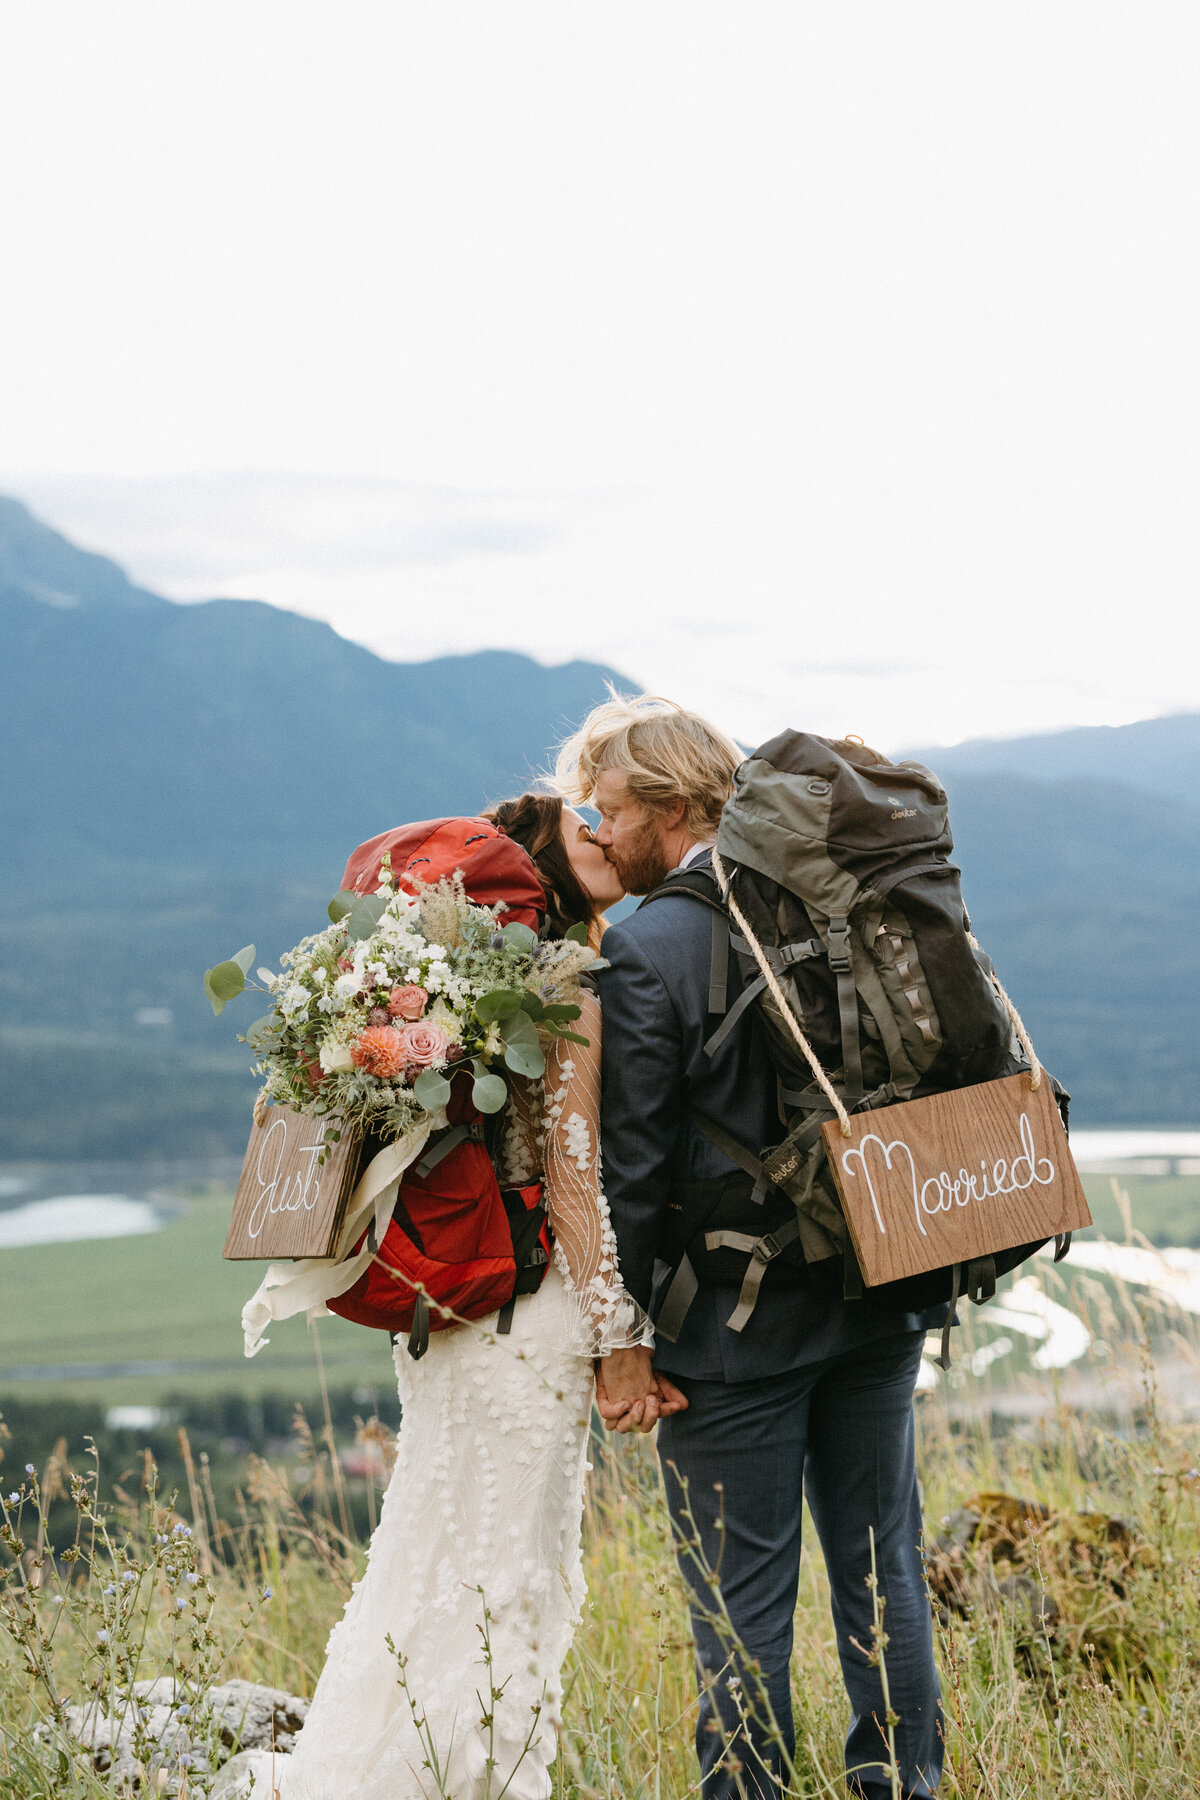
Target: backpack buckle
839,946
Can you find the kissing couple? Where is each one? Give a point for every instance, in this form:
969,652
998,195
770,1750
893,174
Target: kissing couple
477,1553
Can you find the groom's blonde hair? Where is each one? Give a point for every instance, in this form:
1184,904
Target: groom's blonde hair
664,752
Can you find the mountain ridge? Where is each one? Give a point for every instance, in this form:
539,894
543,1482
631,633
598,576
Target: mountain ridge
184,778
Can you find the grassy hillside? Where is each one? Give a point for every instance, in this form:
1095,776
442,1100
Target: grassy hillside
168,1298
165,1298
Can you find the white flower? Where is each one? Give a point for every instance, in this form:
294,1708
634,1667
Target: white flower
320,975
334,1056
346,986
324,1004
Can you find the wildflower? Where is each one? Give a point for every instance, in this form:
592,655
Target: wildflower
111,1588
129,1575
102,1636
268,1593
183,1711
29,1469
180,1604
13,1498
193,1577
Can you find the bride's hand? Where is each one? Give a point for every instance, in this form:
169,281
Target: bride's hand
631,1395
627,1390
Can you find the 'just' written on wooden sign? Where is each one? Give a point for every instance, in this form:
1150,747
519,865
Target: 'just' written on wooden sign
289,1203
938,1181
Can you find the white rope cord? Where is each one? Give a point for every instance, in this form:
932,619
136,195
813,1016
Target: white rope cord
780,998
1018,1023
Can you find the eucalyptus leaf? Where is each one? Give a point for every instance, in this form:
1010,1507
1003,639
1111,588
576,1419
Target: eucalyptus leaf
431,1090
364,916
341,904
560,1012
497,1005
263,1031
520,935
489,1093
524,1058
518,1028
226,981
214,999
531,1004
577,933
244,959
570,1037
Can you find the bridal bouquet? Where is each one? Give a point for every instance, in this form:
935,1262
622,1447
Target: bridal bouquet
373,1018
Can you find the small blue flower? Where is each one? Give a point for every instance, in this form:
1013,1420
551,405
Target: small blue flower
13,1498
268,1593
102,1636
183,1711
110,1589
180,1604
193,1577
129,1575
29,1469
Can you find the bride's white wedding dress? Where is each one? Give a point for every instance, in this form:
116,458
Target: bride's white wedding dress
443,1675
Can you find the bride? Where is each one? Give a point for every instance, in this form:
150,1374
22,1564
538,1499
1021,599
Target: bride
443,1677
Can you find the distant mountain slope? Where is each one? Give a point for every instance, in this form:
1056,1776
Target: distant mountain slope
37,563
230,734
1162,755
1087,895
180,780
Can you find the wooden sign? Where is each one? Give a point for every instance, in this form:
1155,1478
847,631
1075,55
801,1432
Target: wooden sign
954,1176
288,1203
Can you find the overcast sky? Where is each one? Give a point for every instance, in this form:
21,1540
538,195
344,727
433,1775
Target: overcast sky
833,365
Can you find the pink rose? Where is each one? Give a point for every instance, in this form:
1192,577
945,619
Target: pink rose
407,1002
423,1044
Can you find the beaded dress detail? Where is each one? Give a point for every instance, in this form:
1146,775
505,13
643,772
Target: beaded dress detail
474,1572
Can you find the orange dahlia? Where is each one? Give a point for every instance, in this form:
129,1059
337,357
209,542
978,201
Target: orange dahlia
379,1050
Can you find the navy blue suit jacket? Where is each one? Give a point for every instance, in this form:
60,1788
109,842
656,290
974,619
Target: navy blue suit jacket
654,999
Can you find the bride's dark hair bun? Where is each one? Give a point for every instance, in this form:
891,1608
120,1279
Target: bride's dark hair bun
535,822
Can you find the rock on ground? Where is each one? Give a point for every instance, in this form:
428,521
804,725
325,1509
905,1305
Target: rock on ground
155,1731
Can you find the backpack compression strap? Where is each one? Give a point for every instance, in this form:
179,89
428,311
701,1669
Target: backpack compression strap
698,884
762,1251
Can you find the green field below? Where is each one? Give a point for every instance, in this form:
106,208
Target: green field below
168,1298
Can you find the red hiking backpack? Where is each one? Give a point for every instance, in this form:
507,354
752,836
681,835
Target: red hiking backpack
455,1239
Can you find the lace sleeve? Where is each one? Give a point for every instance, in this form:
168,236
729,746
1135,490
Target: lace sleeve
585,1246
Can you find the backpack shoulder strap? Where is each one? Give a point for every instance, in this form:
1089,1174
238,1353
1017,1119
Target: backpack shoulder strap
701,885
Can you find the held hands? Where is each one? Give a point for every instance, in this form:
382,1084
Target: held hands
631,1395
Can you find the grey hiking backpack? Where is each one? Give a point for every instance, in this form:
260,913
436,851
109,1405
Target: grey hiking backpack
833,888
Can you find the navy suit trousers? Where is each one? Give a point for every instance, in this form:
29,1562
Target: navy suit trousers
737,1466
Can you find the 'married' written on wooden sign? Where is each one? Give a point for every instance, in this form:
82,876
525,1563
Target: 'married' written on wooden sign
289,1203
954,1176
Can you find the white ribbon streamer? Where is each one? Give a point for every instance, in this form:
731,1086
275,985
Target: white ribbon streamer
305,1285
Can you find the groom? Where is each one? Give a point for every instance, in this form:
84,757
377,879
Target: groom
813,1399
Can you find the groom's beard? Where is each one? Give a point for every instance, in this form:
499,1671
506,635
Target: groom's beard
642,865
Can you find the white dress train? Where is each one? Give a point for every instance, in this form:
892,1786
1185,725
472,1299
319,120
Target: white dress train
474,1572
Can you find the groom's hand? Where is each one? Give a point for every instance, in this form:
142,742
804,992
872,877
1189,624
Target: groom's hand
630,1393
627,1390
